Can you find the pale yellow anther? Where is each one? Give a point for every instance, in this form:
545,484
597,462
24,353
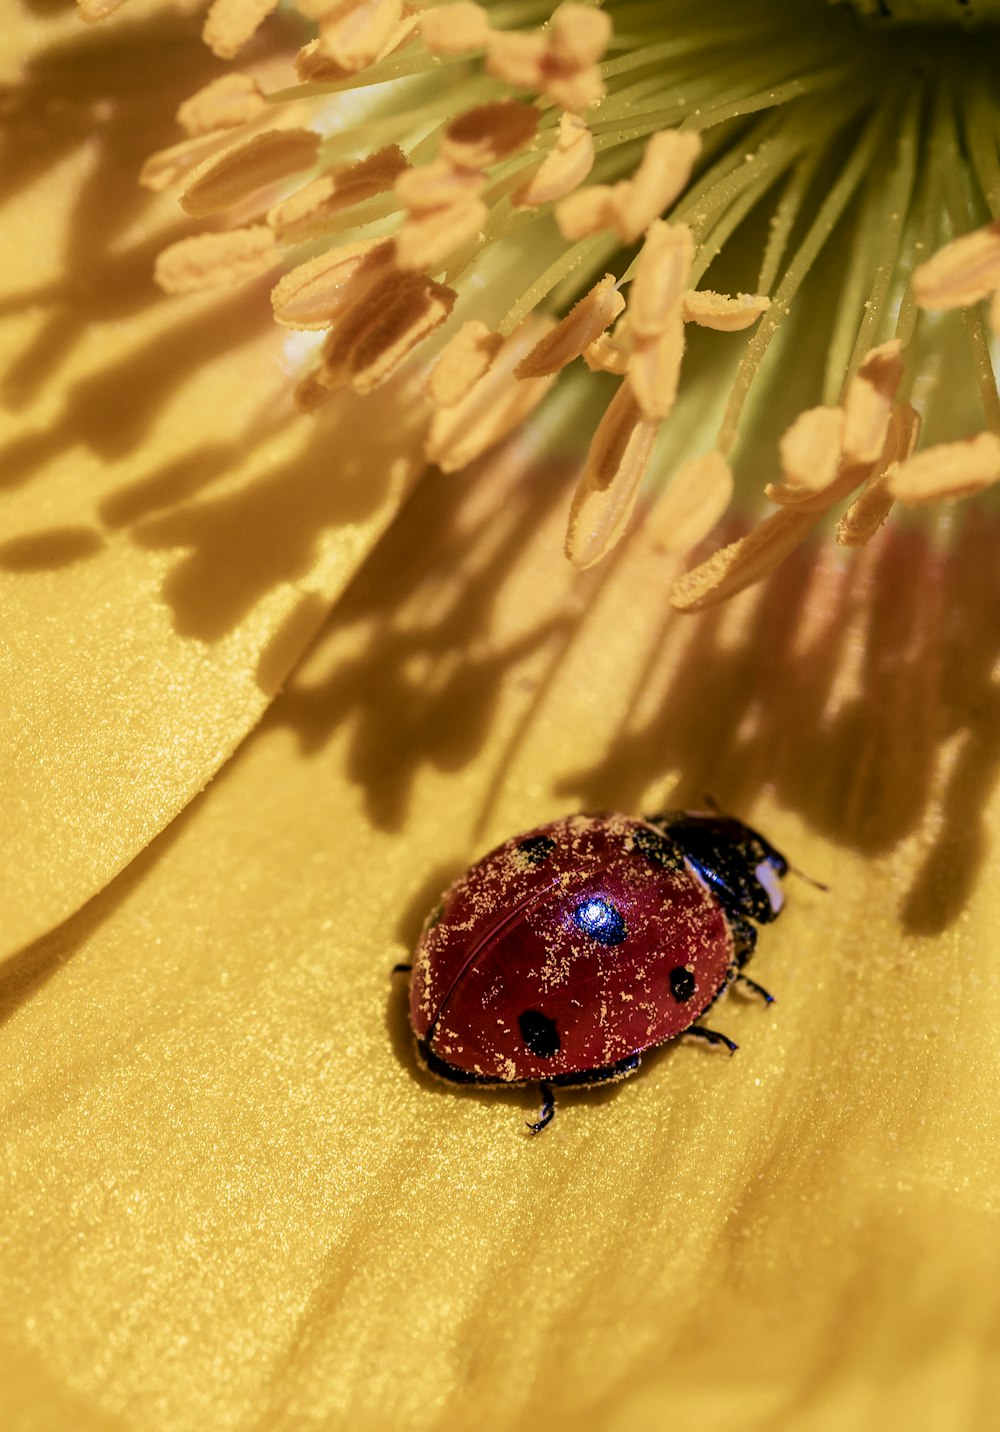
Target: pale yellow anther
492,408
963,272
696,498
318,292
810,451
570,337
308,210
661,273
213,260
229,24
873,503
607,355
658,181
630,206
246,168
585,212
313,66
402,320
169,166
227,102
444,212
483,136
578,35
562,169
517,58
437,186
427,237
464,360
948,470
742,563
455,29
726,313
654,368
353,33
609,488
868,402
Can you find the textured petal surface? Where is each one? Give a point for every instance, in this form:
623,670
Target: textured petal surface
231,1199
171,531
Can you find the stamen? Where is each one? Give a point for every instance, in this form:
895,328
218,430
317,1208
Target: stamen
874,502
317,293
948,470
566,166
722,311
213,260
231,23
609,487
581,326
463,361
227,102
353,32
693,502
810,451
965,271
492,408
308,210
485,135
455,29
246,168
868,402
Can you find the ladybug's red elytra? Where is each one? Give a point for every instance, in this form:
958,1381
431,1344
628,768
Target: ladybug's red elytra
567,952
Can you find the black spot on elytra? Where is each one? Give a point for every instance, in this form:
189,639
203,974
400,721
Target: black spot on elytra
539,1033
681,983
535,849
656,848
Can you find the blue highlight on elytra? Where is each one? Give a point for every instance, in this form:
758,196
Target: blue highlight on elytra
599,919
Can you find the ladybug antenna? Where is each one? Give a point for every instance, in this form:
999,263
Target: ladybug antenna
816,884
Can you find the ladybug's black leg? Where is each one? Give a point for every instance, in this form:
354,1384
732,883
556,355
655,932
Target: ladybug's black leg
398,969
755,988
712,1036
548,1109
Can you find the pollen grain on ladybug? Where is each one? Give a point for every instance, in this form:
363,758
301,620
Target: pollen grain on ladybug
568,952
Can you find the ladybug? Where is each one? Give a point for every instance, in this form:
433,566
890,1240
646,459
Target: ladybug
567,952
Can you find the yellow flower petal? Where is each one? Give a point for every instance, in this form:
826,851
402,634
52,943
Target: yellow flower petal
232,1200
172,532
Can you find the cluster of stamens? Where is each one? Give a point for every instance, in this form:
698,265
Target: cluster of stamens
497,164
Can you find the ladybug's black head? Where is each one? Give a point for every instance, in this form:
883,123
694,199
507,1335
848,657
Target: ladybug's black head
742,869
